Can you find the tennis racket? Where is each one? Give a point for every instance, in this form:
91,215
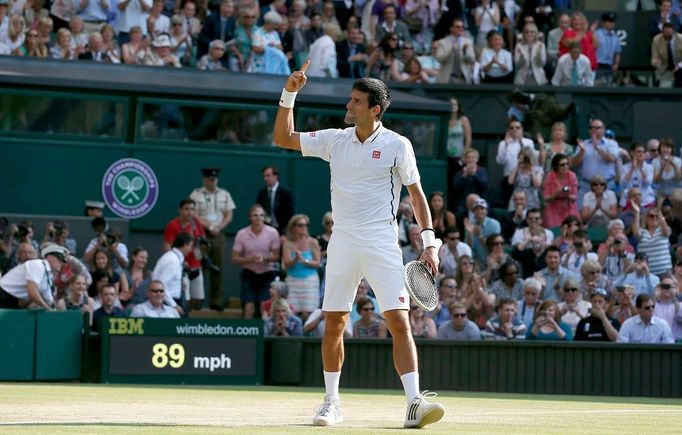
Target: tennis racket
421,285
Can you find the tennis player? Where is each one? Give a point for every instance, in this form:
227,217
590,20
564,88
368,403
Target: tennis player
369,164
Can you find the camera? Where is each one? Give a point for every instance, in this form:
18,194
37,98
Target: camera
565,189
202,242
111,239
22,231
526,159
578,245
617,242
59,227
666,286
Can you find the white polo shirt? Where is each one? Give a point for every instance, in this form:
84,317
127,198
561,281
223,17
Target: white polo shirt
366,180
38,271
169,270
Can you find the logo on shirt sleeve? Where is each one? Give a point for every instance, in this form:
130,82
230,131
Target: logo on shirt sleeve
376,154
312,133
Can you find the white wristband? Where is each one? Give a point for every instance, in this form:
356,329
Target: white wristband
287,99
429,239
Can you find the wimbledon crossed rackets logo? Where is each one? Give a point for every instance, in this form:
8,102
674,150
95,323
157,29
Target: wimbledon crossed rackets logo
130,188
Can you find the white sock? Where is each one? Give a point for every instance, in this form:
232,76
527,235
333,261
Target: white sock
331,383
411,385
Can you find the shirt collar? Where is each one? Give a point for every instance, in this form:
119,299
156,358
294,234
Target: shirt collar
371,137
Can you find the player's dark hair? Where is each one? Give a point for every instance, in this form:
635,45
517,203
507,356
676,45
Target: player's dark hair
186,201
377,93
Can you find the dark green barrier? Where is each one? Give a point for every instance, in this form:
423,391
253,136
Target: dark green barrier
517,367
17,344
59,345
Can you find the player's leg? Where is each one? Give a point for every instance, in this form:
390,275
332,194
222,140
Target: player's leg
342,278
385,274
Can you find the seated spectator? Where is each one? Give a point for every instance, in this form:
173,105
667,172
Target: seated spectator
451,251
363,291
560,192
278,290
547,324
218,25
526,176
351,54
645,327
315,325
107,296
391,24
62,49
638,173
556,145
667,73
181,41
110,44
487,19
154,306
191,25
412,72
77,297
573,69
529,304
138,277
456,55
459,327
212,60
600,204
405,218
421,325
668,305
382,57
530,58
622,305
480,304
301,259
573,307
553,276
516,218
466,270
496,257
370,325
496,62
505,326
160,54
529,243
15,35
79,37
441,217
667,169
283,323
134,49
45,27
652,239
100,278
510,285
328,13
414,250
478,229
472,178
591,278
597,326
102,262
616,254
95,50
322,54
578,252
639,277
32,46
447,294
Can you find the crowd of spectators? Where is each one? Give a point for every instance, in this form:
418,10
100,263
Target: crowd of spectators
414,41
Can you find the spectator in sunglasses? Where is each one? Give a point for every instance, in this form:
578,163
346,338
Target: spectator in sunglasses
598,326
668,306
573,308
639,277
645,327
599,204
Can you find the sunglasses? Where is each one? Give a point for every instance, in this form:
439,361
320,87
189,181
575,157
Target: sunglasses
598,184
595,127
156,290
563,164
648,307
653,150
572,289
459,315
368,309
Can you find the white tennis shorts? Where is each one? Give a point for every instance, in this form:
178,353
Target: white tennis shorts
348,263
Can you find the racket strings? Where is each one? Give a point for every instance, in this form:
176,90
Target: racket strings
422,285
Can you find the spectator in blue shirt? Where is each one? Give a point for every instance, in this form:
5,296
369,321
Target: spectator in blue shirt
608,51
639,276
478,229
645,327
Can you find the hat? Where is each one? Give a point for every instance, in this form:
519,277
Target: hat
161,41
481,203
609,16
54,249
610,134
210,172
601,292
89,203
218,43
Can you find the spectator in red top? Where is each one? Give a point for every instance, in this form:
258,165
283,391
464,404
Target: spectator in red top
560,192
580,33
186,222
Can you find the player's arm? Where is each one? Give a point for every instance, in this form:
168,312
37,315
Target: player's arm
423,216
284,134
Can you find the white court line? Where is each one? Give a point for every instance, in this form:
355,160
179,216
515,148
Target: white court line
576,411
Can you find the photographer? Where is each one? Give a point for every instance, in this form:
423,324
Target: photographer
111,241
17,244
33,281
58,232
186,222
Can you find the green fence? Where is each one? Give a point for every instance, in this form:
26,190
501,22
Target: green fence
509,367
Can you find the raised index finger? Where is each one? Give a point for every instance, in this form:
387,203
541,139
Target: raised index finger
305,66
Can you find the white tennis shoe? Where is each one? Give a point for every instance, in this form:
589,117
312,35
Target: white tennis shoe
328,413
420,412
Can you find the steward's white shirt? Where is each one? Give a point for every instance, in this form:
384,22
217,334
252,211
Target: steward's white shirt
38,271
169,270
366,180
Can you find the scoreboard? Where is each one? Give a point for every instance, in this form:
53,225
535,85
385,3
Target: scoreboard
179,351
